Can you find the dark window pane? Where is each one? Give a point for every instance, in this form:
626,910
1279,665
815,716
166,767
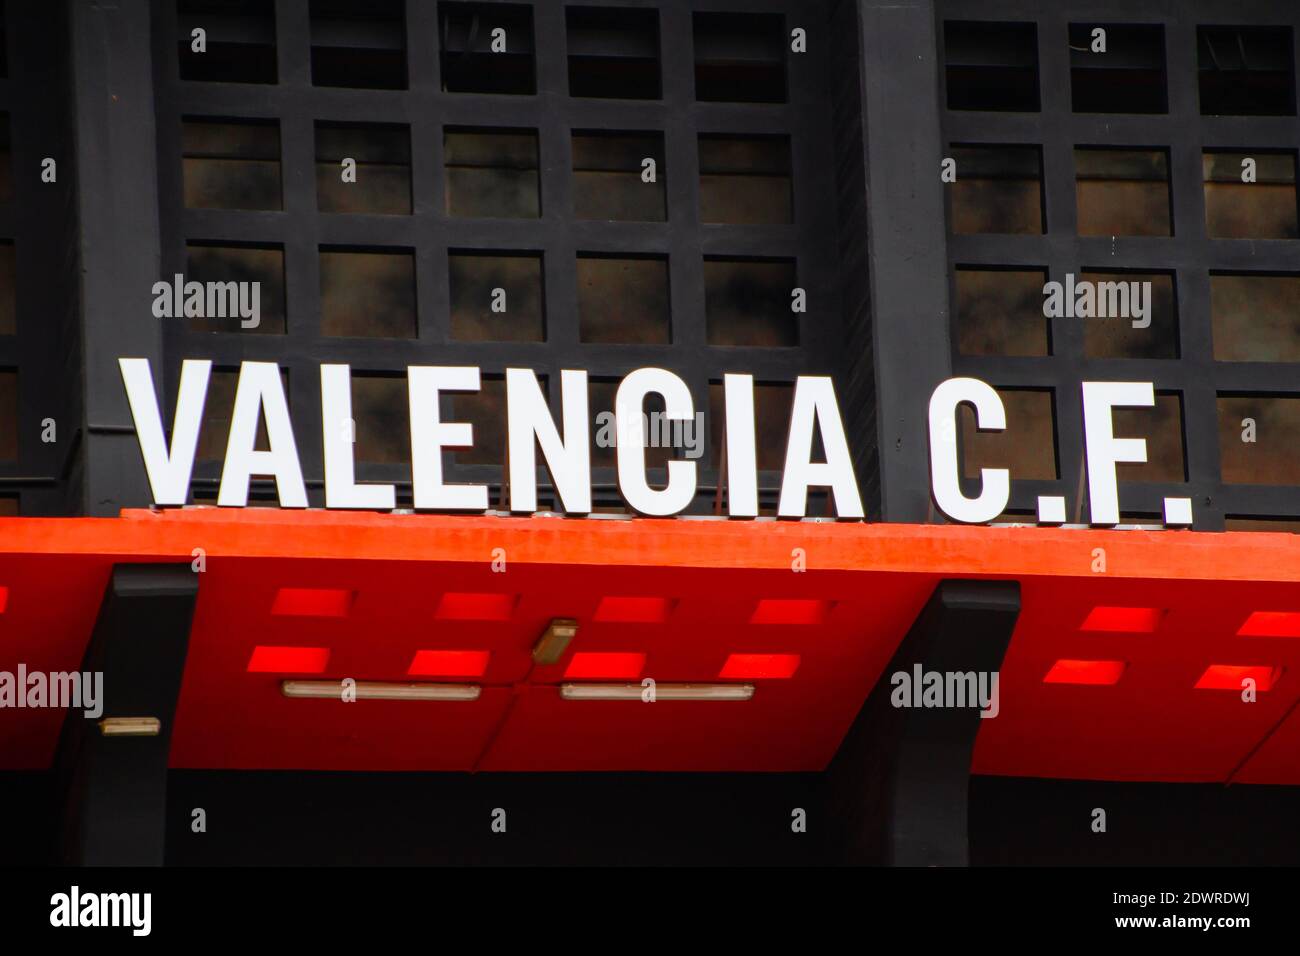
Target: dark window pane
1028,444
1246,71
231,165
469,63
492,174
772,407
8,290
1162,427
1122,192
1256,318
1149,518
1115,336
358,43
1129,77
998,189
242,264
367,294
240,40
215,429
745,179
519,315
1273,525
1000,312
607,176
485,410
613,53
748,302
8,415
383,170
1264,209
991,66
381,414
1273,457
623,300
740,58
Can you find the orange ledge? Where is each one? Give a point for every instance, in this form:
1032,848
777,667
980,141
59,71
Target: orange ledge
649,542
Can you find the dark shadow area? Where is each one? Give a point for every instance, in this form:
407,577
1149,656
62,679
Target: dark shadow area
1015,821
324,819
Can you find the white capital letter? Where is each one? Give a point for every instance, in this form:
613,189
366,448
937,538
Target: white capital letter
628,404
742,460
341,489
945,476
259,392
529,424
430,434
814,403
168,470
1103,449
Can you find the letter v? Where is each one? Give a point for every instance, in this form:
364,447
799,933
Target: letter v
168,469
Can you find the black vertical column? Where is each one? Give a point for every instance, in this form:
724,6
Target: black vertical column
115,786
901,780
907,240
112,89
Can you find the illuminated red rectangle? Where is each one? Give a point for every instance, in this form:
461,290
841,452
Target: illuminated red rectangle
288,660
1085,672
449,664
1271,624
4,599
593,664
312,602
461,606
1131,620
789,611
1230,677
755,666
633,610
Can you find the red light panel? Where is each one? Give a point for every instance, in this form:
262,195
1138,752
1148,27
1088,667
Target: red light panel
1130,620
449,664
601,665
1085,672
1271,624
288,660
1230,676
758,666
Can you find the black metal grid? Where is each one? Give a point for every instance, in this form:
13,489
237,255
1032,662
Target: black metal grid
40,222
426,110
1189,254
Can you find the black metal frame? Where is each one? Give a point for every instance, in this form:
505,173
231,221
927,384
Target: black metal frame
425,109
41,223
1188,253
